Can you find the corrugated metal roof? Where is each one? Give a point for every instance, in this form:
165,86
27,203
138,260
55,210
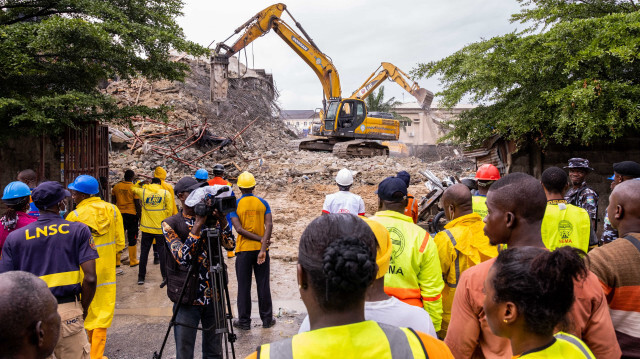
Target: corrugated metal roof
296,114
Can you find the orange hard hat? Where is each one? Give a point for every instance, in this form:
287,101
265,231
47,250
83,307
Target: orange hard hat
488,172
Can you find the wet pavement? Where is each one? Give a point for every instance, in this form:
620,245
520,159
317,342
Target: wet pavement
143,313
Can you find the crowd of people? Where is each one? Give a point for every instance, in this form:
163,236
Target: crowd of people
517,271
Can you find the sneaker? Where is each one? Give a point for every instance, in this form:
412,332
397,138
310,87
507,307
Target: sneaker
164,282
237,324
119,271
140,281
269,324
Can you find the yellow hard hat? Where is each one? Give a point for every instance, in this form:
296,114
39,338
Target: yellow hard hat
246,180
383,255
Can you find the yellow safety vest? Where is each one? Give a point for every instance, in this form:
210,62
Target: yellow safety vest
460,246
566,346
157,205
105,221
366,339
565,225
414,275
479,204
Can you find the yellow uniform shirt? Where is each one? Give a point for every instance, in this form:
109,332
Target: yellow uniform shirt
157,204
460,246
124,197
479,204
250,211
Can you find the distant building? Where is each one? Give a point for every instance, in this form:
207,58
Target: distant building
299,120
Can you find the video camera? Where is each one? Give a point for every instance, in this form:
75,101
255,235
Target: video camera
210,203
207,199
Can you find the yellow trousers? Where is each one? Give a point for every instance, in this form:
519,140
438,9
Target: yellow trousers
98,340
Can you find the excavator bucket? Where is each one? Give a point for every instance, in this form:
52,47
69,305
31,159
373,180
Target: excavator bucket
424,97
219,78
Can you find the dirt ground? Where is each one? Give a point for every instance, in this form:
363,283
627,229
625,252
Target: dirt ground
143,311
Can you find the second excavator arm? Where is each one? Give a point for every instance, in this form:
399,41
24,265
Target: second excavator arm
270,18
390,71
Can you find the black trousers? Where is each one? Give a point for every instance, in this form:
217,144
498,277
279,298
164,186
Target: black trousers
130,222
246,262
146,240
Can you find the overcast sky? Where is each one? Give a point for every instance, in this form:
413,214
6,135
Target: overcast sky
356,34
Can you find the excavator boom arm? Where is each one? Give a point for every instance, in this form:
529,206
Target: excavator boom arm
270,18
390,71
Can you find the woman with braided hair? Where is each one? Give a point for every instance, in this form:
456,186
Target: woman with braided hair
16,197
336,265
529,292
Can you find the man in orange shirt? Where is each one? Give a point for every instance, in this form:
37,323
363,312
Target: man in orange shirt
412,206
218,172
129,206
516,204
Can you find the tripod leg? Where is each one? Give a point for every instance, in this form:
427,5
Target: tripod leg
192,270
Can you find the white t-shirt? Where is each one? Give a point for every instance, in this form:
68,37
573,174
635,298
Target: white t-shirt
343,202
393,312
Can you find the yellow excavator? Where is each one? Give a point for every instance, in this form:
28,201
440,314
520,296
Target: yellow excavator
346,129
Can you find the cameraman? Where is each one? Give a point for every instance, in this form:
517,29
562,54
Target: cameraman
182,233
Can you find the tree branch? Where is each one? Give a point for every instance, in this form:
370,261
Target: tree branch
43,12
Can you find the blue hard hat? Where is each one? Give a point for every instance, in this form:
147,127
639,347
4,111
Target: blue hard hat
15,190
613,176
202,174
85,184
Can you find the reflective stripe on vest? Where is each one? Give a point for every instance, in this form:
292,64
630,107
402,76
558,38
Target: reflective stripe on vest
457,261
575,341
61,279
398,344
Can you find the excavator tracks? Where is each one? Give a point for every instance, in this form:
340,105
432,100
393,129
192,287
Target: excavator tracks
359,148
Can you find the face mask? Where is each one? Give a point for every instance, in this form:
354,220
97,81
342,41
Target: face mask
63,212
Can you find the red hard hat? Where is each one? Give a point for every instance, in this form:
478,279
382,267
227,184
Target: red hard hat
488,172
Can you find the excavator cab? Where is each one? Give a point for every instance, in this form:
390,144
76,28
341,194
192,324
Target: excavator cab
344,116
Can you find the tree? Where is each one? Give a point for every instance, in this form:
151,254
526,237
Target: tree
54,53
572,76
376,102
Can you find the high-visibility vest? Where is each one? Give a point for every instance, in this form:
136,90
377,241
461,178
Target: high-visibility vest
565,225
566,346
157,204
479,204
105,221
366,339
414,275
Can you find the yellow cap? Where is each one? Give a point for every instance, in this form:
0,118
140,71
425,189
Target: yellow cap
385,247
160,173
246,180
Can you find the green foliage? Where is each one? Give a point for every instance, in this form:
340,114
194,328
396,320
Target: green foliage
54,53
376,102
572,76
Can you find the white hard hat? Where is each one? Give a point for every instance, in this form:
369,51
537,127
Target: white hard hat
344,177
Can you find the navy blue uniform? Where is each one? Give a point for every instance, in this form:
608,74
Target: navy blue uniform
52,249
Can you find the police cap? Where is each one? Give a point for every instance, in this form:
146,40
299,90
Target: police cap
577,162
392,189
48,194
627,168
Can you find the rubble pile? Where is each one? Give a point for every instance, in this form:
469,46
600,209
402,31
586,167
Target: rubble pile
198,132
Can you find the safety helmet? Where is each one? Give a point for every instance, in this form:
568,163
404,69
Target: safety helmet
218,169
344,177
85,184
246,180
488,172
15,190
202,174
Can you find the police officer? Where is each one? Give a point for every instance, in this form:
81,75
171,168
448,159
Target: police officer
54,250
622,171
579,194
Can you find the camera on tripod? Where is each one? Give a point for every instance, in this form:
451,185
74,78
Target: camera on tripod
210,203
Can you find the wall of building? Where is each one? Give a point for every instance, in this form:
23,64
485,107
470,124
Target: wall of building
20,153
